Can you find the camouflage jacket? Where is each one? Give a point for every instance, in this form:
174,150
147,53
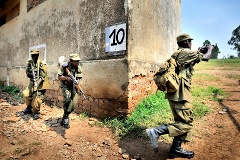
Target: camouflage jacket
186,59
40,70
76,72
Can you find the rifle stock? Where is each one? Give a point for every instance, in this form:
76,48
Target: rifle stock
75,82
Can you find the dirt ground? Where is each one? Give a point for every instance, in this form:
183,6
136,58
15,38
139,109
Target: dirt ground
215,136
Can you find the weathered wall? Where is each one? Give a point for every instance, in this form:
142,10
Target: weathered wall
153,28
113,84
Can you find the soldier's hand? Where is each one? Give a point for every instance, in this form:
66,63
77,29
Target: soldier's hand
69,79
30,75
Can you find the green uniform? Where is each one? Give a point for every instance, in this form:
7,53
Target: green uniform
30,94
181,101
69,91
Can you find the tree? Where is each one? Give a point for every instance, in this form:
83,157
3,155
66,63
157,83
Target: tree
215,50
235,40
207,42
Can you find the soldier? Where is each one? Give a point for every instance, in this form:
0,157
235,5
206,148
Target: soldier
180,101
69,89
36,71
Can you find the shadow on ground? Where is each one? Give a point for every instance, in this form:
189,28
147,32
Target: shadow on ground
140,148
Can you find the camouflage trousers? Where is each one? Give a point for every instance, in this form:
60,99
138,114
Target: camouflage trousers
183,118
33,99
70,100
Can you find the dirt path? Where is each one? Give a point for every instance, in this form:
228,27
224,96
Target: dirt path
215,136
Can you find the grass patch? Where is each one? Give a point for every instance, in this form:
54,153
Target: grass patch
207,93
224,64
83,116
233,76
36,143
12,90
205,77
153,110
2,154
202,95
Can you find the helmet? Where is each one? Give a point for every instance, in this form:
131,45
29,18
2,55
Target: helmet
183,37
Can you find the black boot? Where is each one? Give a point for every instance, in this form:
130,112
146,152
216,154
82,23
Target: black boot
176,151
28,110
65,120
154,133
36,116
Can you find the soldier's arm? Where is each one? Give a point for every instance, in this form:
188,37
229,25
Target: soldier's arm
189,56
207,55
61,77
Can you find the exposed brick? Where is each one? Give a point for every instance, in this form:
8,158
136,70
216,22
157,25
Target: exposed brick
103,106
60,98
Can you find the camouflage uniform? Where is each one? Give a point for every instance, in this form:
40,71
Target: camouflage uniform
181,101
33,98
70,96
69,91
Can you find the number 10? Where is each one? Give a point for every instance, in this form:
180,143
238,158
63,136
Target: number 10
117,36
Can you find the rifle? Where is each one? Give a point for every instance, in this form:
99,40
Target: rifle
204,48
34,78
75,82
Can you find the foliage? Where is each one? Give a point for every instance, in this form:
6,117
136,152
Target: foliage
83,115
153,110
215,52
12,90
207,42
235,40
1,84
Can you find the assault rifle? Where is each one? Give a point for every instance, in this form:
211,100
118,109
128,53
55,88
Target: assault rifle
34,78
75,82
204,48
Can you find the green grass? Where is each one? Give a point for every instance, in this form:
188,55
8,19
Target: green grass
36,143
203,95
83,116
224,64
152,111
12,90
205,77
233,76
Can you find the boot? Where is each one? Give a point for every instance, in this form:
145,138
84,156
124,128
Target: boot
65,121
27,110
36,116
154,133
176,151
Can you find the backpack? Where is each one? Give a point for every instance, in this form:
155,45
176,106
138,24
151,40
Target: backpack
167,78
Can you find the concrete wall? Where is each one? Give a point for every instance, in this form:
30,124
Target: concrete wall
114,84
153,28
